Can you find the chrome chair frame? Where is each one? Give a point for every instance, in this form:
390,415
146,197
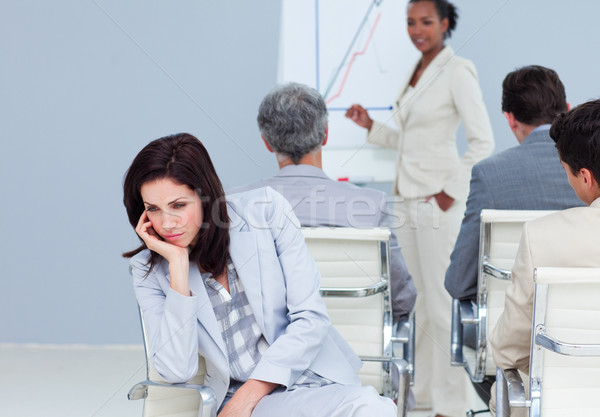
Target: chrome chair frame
510,391
467,312
208,400
398,336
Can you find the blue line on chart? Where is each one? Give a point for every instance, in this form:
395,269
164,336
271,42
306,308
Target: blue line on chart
317,42
385,108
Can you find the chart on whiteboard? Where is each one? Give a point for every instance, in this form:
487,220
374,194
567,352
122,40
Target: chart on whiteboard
351,51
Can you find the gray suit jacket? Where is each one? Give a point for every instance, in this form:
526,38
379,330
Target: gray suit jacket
318,200
526,177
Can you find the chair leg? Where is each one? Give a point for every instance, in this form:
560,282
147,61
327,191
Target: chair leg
502,401
456,336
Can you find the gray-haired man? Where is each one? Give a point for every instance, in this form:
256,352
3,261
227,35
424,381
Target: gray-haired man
292,120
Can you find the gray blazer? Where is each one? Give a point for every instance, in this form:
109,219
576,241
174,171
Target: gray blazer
526,177
281,281
318,200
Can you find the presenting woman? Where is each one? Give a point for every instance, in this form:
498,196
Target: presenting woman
232,280
432,183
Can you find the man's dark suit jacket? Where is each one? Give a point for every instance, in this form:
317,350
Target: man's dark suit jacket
526,177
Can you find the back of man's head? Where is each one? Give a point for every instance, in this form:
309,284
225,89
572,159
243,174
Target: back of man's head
292,119
534,95
577,137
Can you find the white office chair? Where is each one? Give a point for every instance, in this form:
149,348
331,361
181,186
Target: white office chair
499,238
354,266
162,399
565,348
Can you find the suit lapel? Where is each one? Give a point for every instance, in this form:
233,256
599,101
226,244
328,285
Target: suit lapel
428,77
205,313
404,85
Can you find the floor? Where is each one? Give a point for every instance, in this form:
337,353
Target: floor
75,381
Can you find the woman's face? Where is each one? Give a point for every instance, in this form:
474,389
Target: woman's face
175,211
425,28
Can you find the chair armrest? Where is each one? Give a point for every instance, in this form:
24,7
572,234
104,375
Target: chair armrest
510,392
496,272
401,379
569,349
354,292
209,399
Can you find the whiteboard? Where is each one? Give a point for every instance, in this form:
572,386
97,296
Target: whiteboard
351,51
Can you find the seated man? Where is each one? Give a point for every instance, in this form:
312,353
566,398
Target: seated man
565,239
293,124
525,177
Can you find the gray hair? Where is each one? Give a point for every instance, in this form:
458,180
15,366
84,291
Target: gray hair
292,119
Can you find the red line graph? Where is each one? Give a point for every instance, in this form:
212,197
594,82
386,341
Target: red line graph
351,62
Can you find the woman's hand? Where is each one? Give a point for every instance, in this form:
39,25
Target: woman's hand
444,201
360,116
246,397
168,251
178,257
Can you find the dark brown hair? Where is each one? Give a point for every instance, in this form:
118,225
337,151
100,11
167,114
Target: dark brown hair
534,95
183,159
577,138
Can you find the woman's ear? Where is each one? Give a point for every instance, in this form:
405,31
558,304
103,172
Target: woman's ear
445,25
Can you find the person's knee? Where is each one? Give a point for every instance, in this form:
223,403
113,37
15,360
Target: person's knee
366,402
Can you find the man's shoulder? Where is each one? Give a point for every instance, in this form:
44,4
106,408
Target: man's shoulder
349,188
570,217
536,149
292,185
248,187
248,200
506,157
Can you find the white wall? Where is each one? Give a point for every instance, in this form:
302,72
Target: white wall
84,85
502,35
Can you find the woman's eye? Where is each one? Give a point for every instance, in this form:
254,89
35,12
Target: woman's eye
178,205
151,209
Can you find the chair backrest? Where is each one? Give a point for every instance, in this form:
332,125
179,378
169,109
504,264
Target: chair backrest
168,402
354,262
499,239
567,317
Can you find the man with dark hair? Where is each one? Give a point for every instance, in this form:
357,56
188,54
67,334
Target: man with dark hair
292,120
566,239
526,177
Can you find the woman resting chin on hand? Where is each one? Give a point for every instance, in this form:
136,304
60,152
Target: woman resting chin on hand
203,291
